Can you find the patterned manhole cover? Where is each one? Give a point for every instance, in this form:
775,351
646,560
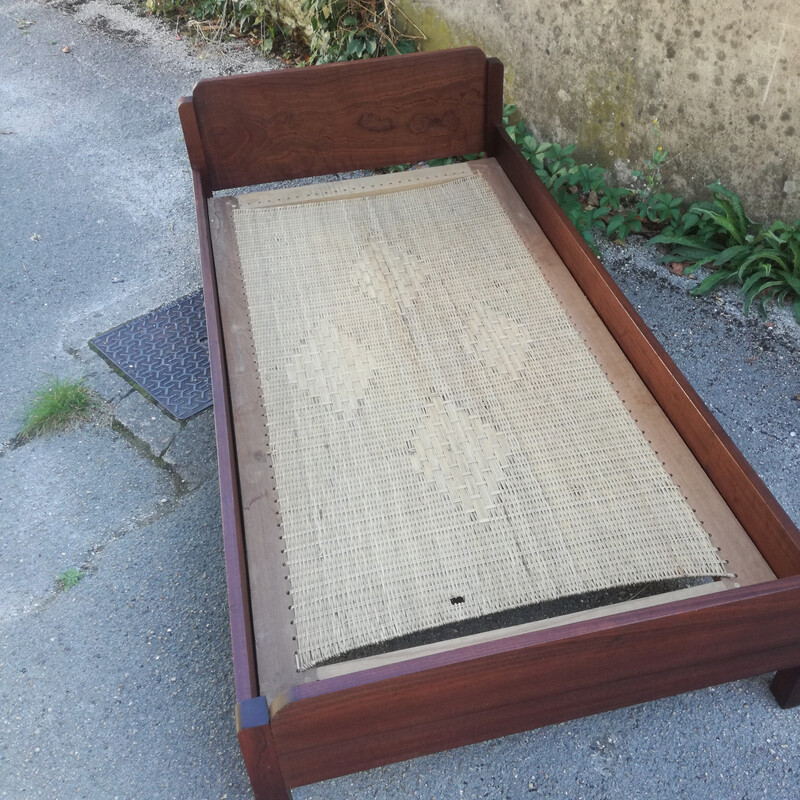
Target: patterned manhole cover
165,352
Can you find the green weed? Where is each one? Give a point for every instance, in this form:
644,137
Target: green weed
763,260
582,190
69,578
649,179
718,234
57,406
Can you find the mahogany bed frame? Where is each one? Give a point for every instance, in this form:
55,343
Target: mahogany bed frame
297,728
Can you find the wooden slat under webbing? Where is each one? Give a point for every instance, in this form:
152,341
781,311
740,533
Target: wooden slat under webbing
444,443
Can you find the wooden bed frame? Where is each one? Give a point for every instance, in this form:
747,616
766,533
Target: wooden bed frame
297,728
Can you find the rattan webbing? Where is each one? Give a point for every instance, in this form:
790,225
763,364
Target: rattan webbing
444,444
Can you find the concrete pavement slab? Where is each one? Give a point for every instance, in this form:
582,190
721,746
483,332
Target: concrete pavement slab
104,381
119,687
61,498
145,420
193,451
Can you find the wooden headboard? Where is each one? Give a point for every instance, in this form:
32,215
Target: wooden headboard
270,126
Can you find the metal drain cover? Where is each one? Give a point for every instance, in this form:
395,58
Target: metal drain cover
165,353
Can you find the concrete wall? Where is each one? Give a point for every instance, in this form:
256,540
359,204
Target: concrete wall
721,76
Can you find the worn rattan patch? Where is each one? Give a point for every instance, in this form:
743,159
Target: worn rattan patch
444,444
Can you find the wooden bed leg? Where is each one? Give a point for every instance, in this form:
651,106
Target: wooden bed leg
258,750
786,687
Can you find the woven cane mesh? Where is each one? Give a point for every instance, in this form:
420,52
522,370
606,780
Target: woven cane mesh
444,444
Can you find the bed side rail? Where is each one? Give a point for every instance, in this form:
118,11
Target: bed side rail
244,130
767,524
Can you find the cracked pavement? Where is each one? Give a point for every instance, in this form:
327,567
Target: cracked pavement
122,686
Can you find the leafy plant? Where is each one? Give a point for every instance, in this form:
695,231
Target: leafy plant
69,578
718,234
650,180
624,224
582,190
660,208
345,30
57,406
254,20
655,206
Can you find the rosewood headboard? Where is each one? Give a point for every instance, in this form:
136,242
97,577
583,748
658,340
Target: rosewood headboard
274,126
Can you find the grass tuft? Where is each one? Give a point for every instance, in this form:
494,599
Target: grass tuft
57,406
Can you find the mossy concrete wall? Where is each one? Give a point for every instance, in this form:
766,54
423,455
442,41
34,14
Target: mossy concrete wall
721,78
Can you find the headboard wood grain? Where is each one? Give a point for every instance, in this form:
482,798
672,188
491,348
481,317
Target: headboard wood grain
270,126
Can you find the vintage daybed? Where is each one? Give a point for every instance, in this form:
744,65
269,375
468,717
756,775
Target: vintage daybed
435,414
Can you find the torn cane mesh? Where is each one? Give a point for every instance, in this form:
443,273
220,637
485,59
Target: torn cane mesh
444,444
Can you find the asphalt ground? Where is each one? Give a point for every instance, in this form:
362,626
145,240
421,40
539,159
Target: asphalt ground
121,687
